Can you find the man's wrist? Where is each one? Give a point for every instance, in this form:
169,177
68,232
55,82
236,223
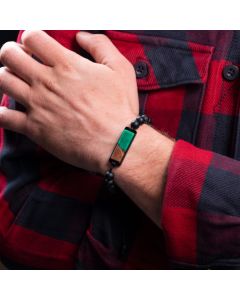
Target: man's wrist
143,170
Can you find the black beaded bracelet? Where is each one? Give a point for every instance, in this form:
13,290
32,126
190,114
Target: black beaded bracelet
121,148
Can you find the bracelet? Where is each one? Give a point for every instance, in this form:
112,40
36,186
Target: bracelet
121,148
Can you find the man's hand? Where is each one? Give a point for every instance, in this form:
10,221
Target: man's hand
75,109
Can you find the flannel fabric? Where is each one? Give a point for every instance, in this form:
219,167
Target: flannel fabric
55,216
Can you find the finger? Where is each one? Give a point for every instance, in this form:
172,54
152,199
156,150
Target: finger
101,49
48,50
19,62
13,120
14,86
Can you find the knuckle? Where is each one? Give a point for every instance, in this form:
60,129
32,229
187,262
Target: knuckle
126,66
50,84
119,63
7,50
66,66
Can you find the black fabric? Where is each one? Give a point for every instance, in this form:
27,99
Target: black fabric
7,35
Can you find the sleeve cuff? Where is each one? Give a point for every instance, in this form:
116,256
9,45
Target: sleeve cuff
186,174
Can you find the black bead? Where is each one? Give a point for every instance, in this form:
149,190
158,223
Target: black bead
135,124
109,175
106,180
140,120
110,182
149,121
111,188
145,118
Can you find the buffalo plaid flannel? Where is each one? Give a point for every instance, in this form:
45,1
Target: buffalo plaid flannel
55,216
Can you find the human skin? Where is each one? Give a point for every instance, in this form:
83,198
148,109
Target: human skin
76,109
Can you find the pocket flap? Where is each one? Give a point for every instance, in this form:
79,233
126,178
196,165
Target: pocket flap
170,62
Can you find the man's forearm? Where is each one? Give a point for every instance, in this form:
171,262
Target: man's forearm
143,172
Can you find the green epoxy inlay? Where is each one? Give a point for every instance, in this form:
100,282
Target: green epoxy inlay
125,139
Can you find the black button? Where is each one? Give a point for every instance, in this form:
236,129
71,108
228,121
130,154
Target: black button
141,69
231,72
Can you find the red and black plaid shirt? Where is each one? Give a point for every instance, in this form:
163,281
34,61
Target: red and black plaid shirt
53,215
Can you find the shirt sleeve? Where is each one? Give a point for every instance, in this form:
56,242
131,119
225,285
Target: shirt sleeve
201,208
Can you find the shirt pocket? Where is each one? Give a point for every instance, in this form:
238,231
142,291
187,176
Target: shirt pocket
171,78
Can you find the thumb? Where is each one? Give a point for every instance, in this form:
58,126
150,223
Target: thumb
101,48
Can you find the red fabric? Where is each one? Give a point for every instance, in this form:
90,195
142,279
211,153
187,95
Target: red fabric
169,118
187,164
37,250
